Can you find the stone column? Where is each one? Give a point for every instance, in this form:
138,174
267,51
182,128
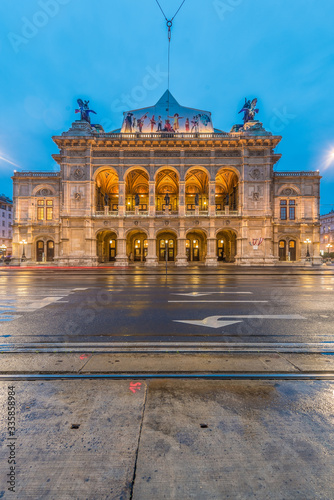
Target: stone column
151,200
151,259
121,198
181,258
121,257
211,256
212,199
182,207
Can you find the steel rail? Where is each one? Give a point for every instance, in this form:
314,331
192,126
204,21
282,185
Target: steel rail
144,376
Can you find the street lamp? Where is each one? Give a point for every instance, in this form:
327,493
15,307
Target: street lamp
328,248
308,241
23,243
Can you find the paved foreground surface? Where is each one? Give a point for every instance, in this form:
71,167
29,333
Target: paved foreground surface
151,440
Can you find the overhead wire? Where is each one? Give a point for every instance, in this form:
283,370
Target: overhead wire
169,23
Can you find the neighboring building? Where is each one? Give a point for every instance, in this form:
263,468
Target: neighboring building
167,181
327,233
6,218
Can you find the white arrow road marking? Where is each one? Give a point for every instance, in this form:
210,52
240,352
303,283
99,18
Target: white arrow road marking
213,321
199,294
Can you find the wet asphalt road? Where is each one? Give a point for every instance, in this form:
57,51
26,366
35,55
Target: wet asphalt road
108,306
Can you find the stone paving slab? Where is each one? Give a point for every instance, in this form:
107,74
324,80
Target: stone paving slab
236,440
41,363
54,461
311,362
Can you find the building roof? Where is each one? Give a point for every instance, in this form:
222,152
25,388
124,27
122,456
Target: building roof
5,199
167,115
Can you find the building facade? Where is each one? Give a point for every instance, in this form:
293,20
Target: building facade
167,185
6,211
327,233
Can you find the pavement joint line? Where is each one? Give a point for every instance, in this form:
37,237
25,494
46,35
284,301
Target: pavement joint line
143,376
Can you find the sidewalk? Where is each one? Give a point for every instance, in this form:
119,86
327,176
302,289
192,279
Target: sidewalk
182,364
169,439
223,269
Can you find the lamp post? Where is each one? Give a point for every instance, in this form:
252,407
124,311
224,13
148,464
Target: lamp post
308,241
328,249
23,243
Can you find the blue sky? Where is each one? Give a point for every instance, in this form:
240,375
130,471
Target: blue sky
115,51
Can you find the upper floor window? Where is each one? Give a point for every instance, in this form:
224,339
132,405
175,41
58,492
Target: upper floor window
284,204
44,209
3,214
49,209
40,210
283,209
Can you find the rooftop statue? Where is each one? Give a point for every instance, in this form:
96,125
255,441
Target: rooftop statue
84,110
249,110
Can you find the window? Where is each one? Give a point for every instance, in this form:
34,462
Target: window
9,216
9,234
3,214
283,210
292,210
3,223
44,211
3,233
10,209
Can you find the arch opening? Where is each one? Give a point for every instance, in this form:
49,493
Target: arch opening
106,246
137,246
196,190
227,190
167,190
137,190
166,244
106,190
226,246
196,246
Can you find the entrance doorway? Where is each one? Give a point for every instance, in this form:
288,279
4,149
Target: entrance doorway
137,246
50,251
140,250
106,246
40,251
220,251
282,250
192,250
169,246
112,250
292,250
226,245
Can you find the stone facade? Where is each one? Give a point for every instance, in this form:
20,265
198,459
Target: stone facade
206,198
327,233
6,214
